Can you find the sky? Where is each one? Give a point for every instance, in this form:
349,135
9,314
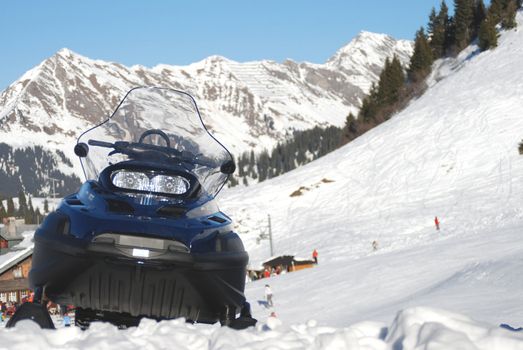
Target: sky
181,32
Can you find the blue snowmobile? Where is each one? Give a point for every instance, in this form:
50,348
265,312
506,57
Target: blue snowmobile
143,236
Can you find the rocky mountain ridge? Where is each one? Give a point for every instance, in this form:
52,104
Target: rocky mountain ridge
250,105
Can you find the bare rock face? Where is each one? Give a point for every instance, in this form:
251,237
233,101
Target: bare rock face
246,105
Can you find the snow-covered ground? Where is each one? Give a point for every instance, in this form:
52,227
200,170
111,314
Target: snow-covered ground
453,154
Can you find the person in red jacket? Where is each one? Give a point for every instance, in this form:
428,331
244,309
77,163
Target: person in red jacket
315,256
436,221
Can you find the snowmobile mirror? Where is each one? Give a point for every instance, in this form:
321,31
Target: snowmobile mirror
81,149
228,167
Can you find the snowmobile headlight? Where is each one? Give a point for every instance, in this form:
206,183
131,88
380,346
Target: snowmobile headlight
130,180
169,184
147,182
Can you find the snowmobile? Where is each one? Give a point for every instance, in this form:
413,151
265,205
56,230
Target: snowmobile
143,236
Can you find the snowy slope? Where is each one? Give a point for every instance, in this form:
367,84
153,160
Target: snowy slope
453,154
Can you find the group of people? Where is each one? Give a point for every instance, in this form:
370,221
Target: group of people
7,309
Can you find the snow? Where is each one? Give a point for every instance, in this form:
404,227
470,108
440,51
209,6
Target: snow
451,153
415,328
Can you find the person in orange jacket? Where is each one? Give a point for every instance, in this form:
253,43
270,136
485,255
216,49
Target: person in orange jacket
315,256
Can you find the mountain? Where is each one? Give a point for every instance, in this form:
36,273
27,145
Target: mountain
246,105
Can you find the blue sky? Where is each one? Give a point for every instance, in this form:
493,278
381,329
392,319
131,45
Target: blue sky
181,32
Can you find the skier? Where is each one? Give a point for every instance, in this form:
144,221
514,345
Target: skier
436,221
315,256
374,245
268,295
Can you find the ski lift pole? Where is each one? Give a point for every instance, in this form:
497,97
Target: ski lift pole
53,184
270,234
266,235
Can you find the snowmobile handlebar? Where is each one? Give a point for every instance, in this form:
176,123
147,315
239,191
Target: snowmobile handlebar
100,143
134,150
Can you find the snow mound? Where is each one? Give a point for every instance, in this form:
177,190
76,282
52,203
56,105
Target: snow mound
426,328
415,328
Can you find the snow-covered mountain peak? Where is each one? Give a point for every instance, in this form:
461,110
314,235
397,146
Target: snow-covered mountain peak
67,53
369,47
372,36
216,58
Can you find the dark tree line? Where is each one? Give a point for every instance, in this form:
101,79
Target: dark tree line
25,209
304,147
29,168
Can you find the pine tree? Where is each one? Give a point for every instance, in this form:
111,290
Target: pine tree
30,213
495,11
383,90
38,216
252,161
396,79
263,166
3,212
351,130
509,15
450,37
433,19
480,13
439,33
421,60
488,36
28,216
463,22
10,207
241,165
369,106
22,204
391,83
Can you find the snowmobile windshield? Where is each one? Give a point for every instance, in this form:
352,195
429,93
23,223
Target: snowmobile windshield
161,127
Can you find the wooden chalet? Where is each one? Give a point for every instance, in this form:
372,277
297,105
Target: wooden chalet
14,273
288,263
